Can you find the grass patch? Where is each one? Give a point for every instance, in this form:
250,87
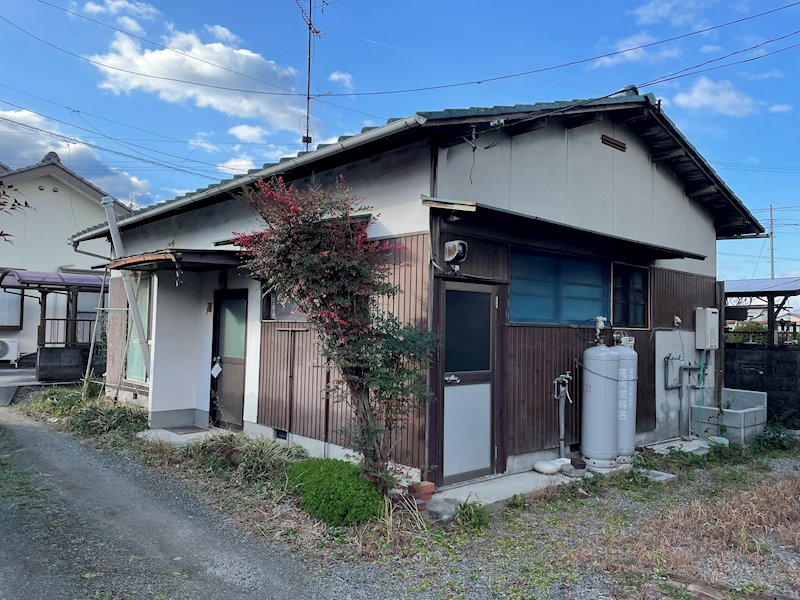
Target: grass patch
471,516
17,484
56,401
100,418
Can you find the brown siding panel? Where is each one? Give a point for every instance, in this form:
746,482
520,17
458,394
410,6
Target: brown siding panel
538,353
292,379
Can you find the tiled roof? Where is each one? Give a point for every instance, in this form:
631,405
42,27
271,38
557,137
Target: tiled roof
630,97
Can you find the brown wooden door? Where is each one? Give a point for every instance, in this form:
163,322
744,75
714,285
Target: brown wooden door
229,352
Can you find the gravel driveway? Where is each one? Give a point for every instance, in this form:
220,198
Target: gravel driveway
108,527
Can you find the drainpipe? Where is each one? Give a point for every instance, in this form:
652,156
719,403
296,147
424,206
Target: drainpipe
679,385
119,251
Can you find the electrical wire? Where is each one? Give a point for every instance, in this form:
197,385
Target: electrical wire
570,63
208,62
760,254
396,91
71,140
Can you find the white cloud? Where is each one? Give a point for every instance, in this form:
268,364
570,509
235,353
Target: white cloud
762,75
248,133
781,108
28,147
717,96
237,166
223,34
709,48
342,78
638,55
202,140
279,111
678,13
130,25
142,10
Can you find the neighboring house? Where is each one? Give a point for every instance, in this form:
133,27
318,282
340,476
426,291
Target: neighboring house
61,203
569,209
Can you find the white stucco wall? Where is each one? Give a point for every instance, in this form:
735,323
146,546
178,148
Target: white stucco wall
40,243
390,184
569,176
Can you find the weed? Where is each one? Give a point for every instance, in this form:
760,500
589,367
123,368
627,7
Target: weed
517,501
471,516
674,592
99,418
17,484
775,439
237,455
56,401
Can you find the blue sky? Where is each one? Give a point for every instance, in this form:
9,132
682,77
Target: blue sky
168,137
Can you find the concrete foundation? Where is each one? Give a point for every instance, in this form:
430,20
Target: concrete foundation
65,364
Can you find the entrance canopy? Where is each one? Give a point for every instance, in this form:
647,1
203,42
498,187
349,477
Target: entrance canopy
13,279
184,260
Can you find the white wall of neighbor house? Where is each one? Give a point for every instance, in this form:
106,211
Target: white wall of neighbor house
39,243
571,177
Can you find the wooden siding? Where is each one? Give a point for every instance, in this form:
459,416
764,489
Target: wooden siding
538,353
293,379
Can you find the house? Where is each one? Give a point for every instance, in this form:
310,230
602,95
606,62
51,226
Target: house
566,211
47,291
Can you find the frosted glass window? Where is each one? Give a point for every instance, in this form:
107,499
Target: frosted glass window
233,326
135,361
11,308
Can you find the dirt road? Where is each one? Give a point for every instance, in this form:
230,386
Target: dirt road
76,522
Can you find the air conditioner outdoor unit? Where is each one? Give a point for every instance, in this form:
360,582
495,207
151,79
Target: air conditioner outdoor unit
8,349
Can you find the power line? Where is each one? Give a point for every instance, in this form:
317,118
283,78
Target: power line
203,60
566,64
71,140
95,130
416,89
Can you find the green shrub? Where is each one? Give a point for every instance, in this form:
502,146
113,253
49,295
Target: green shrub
251,459
471,516
334,491
775,438
56,401
99,418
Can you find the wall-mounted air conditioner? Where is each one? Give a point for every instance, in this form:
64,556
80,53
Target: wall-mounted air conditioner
8,349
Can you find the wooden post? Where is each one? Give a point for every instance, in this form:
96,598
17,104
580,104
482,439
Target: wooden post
771,320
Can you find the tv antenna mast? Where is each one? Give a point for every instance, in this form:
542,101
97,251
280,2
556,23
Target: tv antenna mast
308,17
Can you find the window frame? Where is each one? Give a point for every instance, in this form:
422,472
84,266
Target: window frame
606,265
148,330
648,292
18,327
267,309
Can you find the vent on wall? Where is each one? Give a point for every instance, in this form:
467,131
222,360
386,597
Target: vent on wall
614,143
8,349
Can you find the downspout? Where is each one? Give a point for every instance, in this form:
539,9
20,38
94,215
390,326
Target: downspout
119,252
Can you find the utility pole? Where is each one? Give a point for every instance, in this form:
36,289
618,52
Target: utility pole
771,245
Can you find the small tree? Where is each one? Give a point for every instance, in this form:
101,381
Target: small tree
316,253
9,204
748,332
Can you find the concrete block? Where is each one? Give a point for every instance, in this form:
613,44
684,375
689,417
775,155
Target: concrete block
660,476
441,511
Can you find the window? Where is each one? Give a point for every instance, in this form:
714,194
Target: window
630,296
135,361
273,308
549,288
11,309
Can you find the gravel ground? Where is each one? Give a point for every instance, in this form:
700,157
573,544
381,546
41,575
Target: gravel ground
109,527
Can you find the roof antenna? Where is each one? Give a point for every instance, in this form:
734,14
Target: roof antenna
312,31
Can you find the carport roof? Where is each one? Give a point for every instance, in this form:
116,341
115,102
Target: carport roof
184,260
38,280
779,286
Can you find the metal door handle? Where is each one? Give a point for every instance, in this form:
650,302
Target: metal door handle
452,379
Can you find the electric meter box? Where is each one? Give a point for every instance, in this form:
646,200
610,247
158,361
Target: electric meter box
706,331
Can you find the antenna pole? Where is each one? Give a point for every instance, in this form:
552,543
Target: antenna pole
309,19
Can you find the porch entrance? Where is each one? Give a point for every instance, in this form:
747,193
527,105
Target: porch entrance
229,342
469,334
